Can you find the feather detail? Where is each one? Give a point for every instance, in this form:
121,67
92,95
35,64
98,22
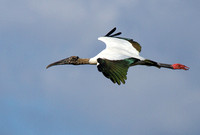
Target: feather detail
109,34
135,44
115,70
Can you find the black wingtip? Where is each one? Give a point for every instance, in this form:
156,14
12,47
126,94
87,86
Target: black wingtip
110,32
119,33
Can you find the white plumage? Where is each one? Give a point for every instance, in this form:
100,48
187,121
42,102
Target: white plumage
116,49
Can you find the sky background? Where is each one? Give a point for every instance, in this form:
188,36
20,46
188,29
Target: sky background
79,100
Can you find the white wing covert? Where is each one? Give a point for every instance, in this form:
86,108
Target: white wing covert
118,48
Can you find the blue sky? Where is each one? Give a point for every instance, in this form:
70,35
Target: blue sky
76,100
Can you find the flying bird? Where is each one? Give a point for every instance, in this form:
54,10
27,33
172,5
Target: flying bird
120,54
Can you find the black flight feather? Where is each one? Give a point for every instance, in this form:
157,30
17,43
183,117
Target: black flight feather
109,34
115,70
119,33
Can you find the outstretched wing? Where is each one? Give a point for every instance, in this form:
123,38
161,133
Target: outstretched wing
117,48
131,41
115,70
120,48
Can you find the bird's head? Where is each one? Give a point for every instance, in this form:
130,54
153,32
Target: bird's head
71,60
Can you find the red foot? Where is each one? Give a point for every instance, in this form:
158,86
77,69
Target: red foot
180,66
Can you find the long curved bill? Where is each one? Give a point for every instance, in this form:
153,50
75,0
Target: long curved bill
69,60
60,62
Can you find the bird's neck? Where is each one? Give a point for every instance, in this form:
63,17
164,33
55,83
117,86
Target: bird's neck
82,61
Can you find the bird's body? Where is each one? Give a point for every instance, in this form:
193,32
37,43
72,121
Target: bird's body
120,54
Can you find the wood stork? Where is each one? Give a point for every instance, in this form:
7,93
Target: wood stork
120,54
